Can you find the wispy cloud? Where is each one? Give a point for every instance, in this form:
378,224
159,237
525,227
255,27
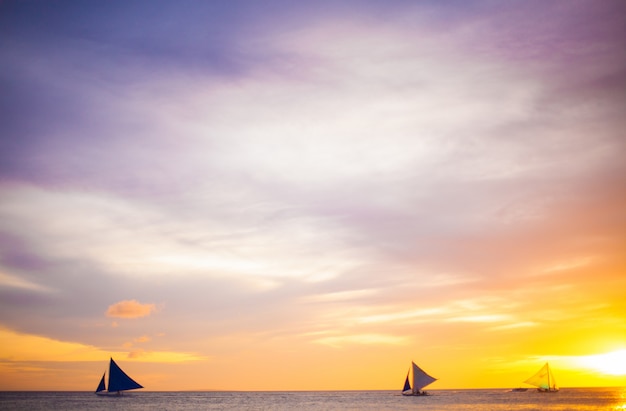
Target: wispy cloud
367,339
22,348
13,281
312,175
164,357
130,309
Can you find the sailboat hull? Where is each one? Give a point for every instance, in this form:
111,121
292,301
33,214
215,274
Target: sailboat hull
420,380
415,394
118,381
109,394
543,380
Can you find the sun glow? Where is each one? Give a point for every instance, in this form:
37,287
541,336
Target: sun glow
612,363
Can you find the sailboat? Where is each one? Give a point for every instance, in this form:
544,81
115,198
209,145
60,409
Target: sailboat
118,381
543,380
420,380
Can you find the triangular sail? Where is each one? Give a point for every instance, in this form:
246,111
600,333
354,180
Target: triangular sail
101,386
119,381
553,385
543,379
420,378
407,385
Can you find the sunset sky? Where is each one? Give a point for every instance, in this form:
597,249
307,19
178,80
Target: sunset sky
283,195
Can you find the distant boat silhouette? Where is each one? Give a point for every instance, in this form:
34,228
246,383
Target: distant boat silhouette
543,380
420,380
118,381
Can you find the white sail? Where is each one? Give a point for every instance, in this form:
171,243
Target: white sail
543,379
420,378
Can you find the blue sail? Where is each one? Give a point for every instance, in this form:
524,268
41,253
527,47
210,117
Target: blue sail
407,386
101,386
119,381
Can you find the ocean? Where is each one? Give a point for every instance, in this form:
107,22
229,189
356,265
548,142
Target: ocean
465,400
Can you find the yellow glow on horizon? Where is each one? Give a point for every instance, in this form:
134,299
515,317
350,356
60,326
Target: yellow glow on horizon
17,347
24,347
612,363
164,356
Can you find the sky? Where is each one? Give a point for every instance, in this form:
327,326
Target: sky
277,195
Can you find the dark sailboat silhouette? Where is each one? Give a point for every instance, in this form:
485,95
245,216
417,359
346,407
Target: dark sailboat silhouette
420,380
118,381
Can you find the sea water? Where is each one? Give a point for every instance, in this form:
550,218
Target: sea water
464,400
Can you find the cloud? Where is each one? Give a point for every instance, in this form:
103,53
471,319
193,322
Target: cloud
164,356
142,339
12,281
130,309
377,173
19,347
27,347
362,339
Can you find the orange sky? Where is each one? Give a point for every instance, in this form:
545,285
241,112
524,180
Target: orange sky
296,366
309,197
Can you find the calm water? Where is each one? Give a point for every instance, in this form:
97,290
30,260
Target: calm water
474,400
